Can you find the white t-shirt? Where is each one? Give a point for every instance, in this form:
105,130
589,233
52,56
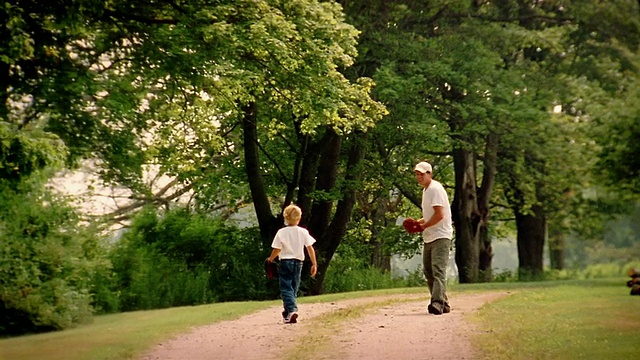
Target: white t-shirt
436,195
291,240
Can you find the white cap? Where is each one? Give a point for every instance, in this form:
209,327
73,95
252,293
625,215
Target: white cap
423,167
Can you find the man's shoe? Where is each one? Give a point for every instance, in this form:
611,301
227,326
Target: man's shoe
285,316
435,308
446,309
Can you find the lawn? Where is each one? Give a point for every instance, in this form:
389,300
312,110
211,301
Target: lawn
593,319
586,319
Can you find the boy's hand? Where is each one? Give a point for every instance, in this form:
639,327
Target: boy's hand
271,269
314,270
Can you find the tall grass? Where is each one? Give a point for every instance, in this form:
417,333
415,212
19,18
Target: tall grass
359,279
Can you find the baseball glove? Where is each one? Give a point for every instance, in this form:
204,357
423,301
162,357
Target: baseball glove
412,226
271,269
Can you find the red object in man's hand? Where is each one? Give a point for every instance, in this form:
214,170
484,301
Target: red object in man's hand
412,226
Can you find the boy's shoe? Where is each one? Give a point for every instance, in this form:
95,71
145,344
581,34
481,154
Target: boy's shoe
292,318
285,315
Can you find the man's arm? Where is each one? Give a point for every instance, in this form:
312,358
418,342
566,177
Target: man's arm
438,215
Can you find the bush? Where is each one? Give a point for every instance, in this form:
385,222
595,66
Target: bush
148,280
352,274
185,258
47,261
367,279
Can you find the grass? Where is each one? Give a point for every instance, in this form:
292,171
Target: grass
582,319
591,319
121,336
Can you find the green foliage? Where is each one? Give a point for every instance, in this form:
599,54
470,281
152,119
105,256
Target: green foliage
600,270
453,72
185,258
134,84
148,280
609,232
24,152
342,278
350,271
47,263
618,137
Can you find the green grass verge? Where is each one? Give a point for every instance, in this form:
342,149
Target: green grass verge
585,319
128,335
590,319
121,336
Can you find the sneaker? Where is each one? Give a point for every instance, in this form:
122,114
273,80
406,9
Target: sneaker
285,315
446,309
292,318
435,308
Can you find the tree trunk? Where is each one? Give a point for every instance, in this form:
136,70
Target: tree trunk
531,236
267,222
326,178
484,197
556,249
380,259
4,85
332,237
485,273
466,216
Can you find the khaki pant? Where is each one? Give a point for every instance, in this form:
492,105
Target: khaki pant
435,258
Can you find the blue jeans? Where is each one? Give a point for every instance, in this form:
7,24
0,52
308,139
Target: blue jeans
290,272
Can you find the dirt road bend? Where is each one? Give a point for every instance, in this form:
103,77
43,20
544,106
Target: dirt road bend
386,327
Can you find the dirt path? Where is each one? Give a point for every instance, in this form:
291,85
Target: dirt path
387,329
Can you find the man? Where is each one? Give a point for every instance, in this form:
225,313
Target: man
437,232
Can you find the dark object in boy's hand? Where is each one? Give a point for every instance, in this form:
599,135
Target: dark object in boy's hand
271,269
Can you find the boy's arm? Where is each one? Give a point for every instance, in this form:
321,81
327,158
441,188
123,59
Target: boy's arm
314,263
274,253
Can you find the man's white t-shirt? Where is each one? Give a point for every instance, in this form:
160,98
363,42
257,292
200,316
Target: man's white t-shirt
436,195
291,240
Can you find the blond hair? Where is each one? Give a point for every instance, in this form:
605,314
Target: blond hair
292,214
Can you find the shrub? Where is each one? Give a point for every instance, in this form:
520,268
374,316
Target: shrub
598,271
186,258
47,261
149,280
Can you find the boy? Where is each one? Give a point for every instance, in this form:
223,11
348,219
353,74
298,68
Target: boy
289,244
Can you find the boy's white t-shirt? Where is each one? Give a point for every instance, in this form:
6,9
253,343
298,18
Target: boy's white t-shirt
436,195
291,240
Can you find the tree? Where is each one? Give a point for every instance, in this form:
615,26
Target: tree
448,96
471,80
558,160
184,87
